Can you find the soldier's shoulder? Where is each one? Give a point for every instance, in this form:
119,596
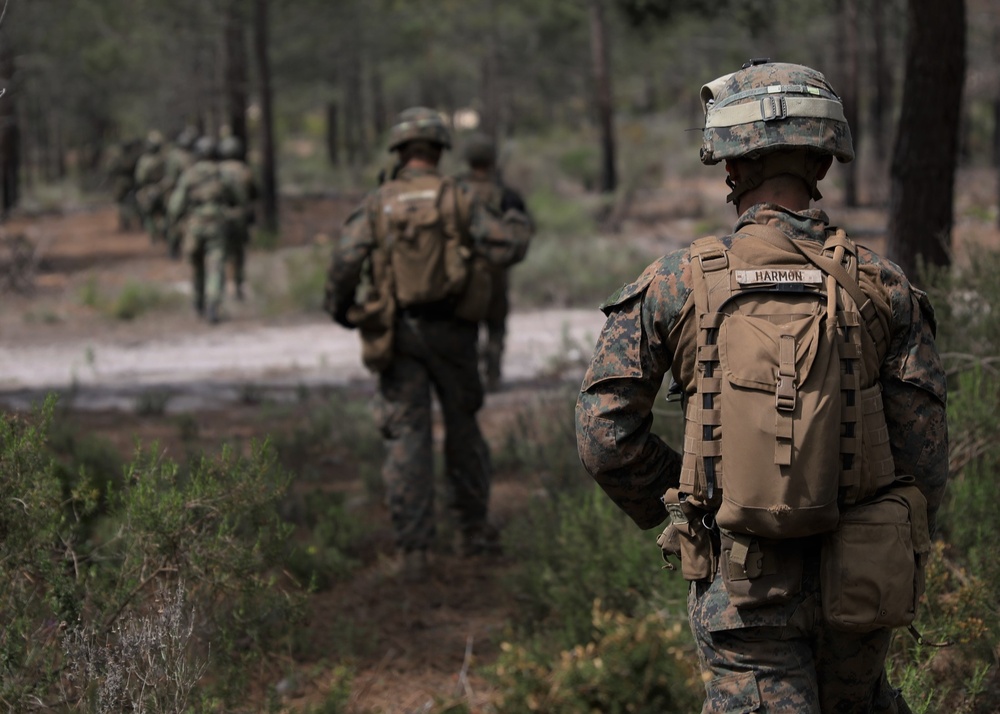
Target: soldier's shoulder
667,276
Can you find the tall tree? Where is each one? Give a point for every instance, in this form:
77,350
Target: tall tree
921,200
848,88
10,144
603,93
235,69
268,181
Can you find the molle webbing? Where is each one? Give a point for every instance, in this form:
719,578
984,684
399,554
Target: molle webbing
865,458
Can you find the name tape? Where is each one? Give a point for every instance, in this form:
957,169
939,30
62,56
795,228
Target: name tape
752,277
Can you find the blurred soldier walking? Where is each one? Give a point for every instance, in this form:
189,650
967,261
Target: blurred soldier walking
815,452
483,180
179,156
411,273
150,171
239,176
121,169
202,206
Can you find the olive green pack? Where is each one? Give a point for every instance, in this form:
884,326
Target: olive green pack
785,427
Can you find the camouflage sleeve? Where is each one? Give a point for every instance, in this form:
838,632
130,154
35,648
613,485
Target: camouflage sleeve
176,202
915,395
614,408
355,245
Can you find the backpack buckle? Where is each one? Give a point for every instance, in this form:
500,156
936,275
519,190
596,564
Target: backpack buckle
784,394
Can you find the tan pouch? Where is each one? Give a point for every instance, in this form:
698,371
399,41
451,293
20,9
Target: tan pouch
872,569
688,538
475,300
760,572
375,321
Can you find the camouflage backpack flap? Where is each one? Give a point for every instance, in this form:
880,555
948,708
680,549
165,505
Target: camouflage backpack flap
428,260
207,188
786,420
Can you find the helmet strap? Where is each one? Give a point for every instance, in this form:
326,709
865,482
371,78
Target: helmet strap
801,164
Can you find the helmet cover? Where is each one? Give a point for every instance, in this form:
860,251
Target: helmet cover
419,123
772,106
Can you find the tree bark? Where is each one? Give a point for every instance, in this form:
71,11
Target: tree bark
922,187
333,133
603,94
268,187
882,84
849,91
235,70
10,134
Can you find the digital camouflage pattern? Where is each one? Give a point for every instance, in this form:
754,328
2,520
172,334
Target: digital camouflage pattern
490,192
419,123
121,163
150,171
768,107
650,333
430,350
239,176
202,206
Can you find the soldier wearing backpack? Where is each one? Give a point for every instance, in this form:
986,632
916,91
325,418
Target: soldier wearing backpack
815,450
483,179
411,273
202,206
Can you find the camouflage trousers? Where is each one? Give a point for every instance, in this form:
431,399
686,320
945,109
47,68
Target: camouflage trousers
495,324
785,658
238,239
432,357
208,268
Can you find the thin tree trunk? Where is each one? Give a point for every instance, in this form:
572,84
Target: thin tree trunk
490,74
924,159
603,94
10,145
333,133
269,188
235,73
379,114
849,91
882,83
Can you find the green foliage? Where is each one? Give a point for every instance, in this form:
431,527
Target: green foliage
136,299
637,664
331,531
576,547
176,574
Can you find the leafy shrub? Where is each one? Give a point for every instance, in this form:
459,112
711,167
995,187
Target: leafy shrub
70,584
640,665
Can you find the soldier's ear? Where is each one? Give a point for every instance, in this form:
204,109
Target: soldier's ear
733,170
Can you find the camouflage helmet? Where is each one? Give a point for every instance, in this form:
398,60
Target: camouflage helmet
154,140
480,150
770,106
419,123
231,148
205,147
186,138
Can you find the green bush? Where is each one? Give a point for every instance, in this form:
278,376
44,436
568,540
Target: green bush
191,557
635,665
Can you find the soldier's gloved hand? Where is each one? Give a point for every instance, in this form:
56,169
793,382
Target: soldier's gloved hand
511,200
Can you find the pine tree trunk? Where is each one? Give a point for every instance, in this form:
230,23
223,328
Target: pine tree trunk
268,187
235,72
603,94
924,159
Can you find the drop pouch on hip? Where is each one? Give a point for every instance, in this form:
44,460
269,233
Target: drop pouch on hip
375,320
689,538
475,300
758,571
872,566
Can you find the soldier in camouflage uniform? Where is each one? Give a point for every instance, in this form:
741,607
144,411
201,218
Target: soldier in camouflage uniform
202,206
240,176
150,171
774,657
483,180
121,168
178,157
431,345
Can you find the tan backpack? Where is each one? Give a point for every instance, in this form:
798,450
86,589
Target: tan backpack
427,264
786,424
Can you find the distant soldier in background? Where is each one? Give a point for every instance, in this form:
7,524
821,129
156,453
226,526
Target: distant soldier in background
239,176
202,206
150,171
178,156
484,181
121,170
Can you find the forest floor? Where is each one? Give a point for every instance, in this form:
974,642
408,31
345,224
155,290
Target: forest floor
408,647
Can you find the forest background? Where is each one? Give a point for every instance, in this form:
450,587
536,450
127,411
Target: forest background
595,105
